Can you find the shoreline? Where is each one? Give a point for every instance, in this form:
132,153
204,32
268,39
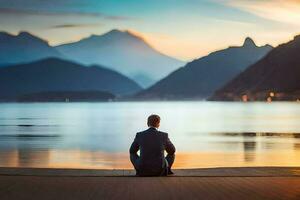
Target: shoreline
199,172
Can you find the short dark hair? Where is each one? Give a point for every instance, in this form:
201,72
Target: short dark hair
153,120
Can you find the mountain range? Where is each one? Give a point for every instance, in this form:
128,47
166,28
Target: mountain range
200,78
121,51
124,52
55,75
275,77
24,47
31,68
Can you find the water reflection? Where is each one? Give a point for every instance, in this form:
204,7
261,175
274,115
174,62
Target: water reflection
106,160
98,135
249,150
63,159
257,134
28,136
228,149
9,158
29,157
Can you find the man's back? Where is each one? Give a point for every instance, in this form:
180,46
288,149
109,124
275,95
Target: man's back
152,144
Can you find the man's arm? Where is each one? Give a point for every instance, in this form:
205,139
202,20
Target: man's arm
170,148
134,157
134,148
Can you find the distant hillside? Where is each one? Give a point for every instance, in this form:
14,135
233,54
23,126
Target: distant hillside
275,77
201,77
67,96
124,52
24,47
58,75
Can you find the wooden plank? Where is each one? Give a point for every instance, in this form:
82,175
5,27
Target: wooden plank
35,187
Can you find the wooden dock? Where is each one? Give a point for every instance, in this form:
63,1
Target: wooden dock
220,183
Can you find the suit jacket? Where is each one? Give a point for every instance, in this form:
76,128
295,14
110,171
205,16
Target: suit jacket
152,145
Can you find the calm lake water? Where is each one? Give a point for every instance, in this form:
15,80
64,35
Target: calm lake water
98,135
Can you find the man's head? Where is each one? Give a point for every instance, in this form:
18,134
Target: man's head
153,121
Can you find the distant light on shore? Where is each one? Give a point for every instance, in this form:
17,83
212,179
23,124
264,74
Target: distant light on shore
269,99
245,98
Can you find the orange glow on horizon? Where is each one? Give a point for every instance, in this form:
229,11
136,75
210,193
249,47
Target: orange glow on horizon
78,159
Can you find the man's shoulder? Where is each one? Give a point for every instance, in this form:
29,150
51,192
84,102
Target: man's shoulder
141,133
149,130
163,133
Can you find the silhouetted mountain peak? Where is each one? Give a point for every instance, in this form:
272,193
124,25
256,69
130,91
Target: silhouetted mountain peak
297,38
116,34
201,77
278,71
55,74
119,32
25,34
268,46
28,36
24,47
5,36
114,31
249,42
124,51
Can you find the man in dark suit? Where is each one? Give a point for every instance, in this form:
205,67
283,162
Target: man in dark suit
152,145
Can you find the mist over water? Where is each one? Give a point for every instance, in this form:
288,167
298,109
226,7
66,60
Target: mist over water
98,135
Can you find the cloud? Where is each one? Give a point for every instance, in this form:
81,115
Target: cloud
61,26
47,4
285,11
22,12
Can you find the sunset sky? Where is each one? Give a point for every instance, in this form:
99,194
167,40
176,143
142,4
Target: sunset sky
185,29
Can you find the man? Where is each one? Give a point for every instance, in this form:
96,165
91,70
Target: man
152,145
